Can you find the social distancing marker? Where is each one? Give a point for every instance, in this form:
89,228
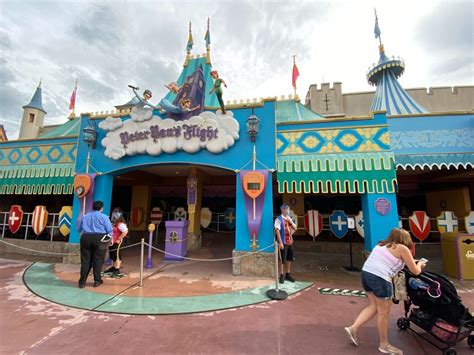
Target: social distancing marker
341,292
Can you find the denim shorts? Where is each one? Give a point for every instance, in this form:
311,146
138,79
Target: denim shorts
379,287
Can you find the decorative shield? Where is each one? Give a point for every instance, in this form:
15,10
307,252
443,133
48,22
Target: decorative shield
39,220
229,218
313,223
137,216
156,215
447,222
180,214
469,221
254,184
206,217
15,217
64,224
420,224
82,184
359,222
338,223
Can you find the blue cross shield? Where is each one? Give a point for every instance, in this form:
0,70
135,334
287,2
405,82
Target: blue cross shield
229,218
338,223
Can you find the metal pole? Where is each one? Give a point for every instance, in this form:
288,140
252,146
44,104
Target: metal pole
277,283
277,294
142,252
149,261
4,224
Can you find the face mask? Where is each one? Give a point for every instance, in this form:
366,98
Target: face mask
285,213
115,215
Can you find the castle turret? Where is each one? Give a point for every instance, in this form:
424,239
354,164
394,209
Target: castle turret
390,96
33,116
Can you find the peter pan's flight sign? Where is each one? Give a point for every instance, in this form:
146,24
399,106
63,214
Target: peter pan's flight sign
147,134
155,133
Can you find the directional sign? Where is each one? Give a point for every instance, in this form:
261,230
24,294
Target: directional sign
156,215
206,217
359,222
313,223
15,217
469,221
64,224
420,224
338,223
229,218
447,222
180,214
40,219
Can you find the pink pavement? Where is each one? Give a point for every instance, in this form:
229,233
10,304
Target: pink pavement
306,323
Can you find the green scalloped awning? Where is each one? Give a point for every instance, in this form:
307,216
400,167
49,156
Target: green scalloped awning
40,179
337,173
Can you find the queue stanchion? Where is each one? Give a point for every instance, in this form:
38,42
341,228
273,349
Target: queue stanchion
142,255
276,293
149,260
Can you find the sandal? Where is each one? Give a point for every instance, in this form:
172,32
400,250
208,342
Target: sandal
351,336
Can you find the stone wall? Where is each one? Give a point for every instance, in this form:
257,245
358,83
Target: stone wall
52,251
330,101
253,264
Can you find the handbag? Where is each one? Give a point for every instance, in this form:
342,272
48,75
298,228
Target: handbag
399,287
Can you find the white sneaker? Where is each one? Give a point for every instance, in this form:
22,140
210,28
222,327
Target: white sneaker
351,336
390,349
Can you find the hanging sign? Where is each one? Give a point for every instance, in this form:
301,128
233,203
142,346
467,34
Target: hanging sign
64,223
338,223
359,224
206,217
180,214
15,217
156,215
313,223
469,221
39,220
383,206
82,185
447,222
254,183
229,218
420,225
191,183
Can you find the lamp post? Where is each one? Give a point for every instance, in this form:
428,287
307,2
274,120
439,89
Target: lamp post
253,123
90,138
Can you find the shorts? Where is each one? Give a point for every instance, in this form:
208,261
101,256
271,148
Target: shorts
113,251
379,287
287,254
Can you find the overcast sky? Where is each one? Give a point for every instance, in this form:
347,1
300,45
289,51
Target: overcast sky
109,44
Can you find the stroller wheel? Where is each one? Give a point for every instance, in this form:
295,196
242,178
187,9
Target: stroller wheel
470,341
449,351
403,323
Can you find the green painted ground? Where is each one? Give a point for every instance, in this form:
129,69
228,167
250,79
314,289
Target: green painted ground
41,280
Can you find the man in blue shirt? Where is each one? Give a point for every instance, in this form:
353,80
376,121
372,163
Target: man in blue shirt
93,227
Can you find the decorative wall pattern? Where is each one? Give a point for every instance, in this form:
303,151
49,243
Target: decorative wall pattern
432,138
347,140
39,154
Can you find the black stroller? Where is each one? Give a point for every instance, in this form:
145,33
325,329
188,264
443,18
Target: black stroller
439,311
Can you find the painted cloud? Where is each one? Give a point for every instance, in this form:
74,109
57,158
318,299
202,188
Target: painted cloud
214,132
110,123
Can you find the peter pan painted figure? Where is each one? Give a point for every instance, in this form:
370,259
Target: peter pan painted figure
217,88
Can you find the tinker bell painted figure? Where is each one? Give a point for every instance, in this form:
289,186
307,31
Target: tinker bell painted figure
217,88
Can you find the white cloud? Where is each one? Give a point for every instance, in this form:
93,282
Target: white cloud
111,123
140,114
214,132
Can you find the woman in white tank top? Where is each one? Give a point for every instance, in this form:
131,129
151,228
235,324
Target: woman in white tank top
385,260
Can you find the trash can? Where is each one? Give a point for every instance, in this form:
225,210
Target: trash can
458,255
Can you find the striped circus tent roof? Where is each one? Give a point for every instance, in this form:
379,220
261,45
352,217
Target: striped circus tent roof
391,97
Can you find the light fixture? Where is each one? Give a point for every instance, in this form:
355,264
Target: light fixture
253,123
90,136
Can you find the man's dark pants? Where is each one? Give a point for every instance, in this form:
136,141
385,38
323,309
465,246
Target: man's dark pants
92,256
